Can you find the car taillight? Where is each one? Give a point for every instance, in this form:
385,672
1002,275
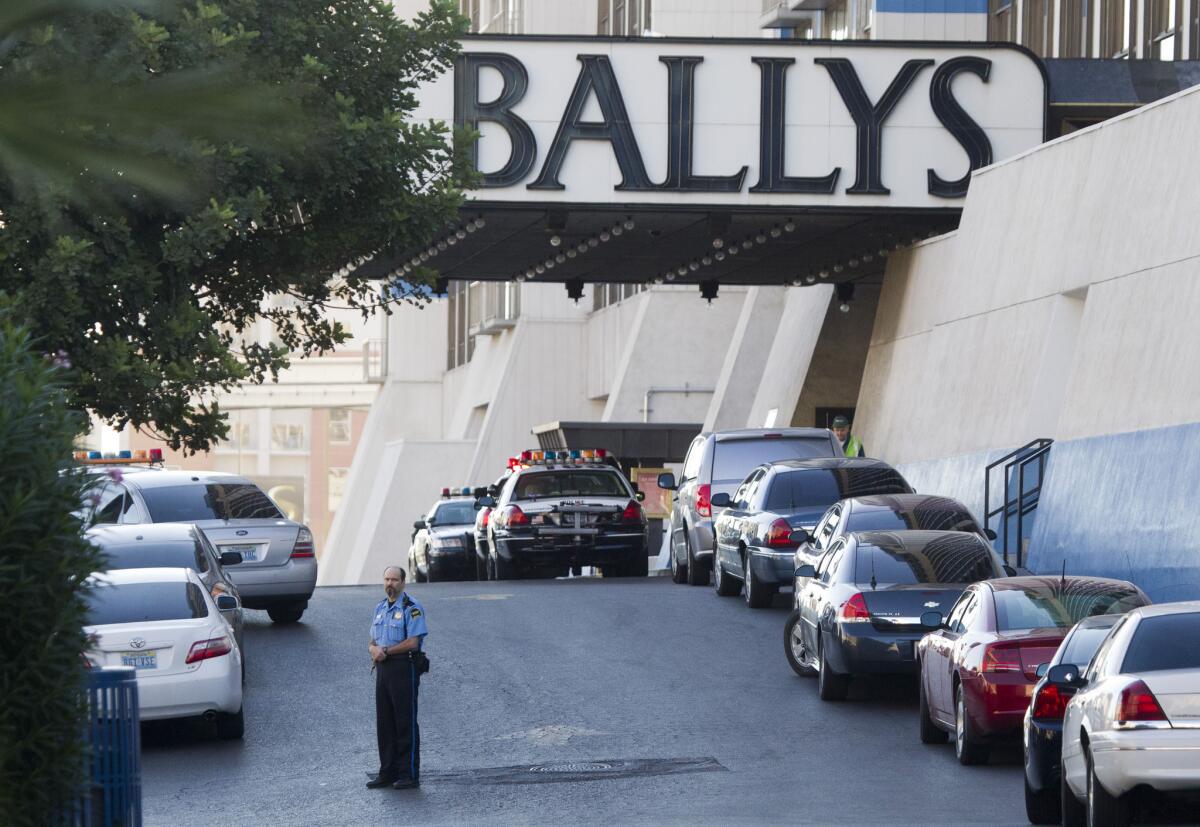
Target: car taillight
704,500
304,544
487,515
213,648
1049,703
513,515
779,535
632,513
1002,657
1138,703
854,610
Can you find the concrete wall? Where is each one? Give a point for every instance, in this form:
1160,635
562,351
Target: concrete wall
1064,307
835,374
707,18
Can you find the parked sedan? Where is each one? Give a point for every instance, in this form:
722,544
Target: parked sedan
172,545
773,510
978,669
1043,720
442,548
861,608
1135,719
163,623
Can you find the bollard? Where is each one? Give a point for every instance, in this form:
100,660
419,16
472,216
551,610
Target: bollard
114,748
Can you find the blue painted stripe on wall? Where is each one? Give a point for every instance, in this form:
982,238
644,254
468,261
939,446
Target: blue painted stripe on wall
931,6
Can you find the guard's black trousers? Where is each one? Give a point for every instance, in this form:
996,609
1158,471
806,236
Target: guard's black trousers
396,685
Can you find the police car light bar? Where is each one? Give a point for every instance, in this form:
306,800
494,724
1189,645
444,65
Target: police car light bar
141,457
575,456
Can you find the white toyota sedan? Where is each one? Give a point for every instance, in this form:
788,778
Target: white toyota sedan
165,624
1134,721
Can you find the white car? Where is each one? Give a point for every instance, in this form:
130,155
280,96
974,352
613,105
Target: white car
1134,721
164,623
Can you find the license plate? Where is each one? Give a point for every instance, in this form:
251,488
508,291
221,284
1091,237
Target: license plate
140,660
248,551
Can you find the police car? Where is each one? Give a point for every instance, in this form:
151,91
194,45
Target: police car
561,510
443,542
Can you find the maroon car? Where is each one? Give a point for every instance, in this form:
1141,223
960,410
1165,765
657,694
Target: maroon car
979,668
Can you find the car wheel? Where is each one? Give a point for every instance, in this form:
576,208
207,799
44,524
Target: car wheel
698,572
481,571
830,685
1043,807
1103,808
758,594
285,614
231,726
1072,810
679,573
793,646
966,744
931,733
725,585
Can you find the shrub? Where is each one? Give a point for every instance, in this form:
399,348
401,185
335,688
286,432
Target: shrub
44,562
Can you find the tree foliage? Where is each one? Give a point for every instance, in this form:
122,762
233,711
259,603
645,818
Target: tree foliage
172,172
44,562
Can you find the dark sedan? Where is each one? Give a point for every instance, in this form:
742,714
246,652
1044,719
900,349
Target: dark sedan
772,511
443,546
1044,718
979,668
860,610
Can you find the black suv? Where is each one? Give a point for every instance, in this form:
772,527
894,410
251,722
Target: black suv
558,514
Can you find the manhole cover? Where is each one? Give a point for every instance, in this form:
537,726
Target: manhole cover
593,766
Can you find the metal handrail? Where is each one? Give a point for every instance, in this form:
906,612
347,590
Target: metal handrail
1025,501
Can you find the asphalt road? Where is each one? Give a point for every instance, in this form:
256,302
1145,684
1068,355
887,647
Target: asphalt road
570,701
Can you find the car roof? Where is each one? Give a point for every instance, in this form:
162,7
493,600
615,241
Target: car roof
1099,621
1053,581
914,541
163,479
156,533
903,502
121,577
826,463
754,433
1159,609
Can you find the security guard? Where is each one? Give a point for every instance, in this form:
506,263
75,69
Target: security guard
851,445
397,631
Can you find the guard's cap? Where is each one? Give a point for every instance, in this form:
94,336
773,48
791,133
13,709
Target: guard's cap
840,421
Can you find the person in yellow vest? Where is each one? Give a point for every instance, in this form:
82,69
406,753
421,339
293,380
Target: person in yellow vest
851,445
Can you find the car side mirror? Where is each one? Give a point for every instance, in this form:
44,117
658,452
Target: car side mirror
1066,674
226,603
990,533
486,501
639,496
230,558
419,524
721,500
667,482
798,537
1042,669
805,570
931,621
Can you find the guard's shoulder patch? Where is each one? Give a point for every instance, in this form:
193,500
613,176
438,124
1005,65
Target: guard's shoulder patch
416,611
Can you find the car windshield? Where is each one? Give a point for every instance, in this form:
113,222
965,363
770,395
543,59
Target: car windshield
1044,606
917,519
454,513
1164,642
817,487
581,483
938,562
733,459
209,501
1081,647
144,602
171,555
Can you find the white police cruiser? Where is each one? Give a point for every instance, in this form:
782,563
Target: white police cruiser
562,510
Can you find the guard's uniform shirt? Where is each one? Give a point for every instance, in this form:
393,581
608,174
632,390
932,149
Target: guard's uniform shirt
396,685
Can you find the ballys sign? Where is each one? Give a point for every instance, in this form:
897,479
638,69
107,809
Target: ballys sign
739,123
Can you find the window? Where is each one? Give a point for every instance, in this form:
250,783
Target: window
569,484
144,602
1164,642
826,527
241,434
339,426
734,458
818,487
337,487
1045,606
460,342
935,563
214,501
833,561
604,295
691,465
111,505
157,556
934,515
1082,645
954,619
287,437
457,512
745,493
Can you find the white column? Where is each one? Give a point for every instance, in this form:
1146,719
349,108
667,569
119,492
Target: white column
1055,28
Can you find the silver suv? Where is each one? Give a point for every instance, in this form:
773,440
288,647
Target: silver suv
278,568
717,463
